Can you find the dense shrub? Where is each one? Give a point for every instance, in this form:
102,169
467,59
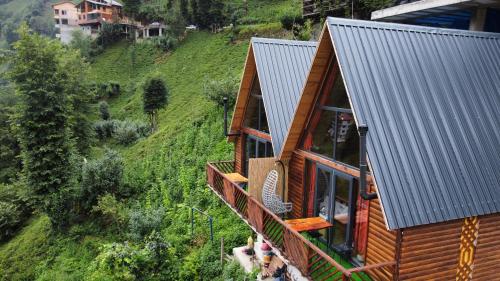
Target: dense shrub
104,110
128,132
125,132
233,271
217,90
110,210
303,32
151,260
114,89
165,43
109,89
109,34
288,20
101,176
10,219
143,222
104,129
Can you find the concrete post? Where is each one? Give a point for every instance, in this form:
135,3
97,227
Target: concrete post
160,30
478,19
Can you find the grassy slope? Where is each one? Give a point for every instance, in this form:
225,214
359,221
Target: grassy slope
190,122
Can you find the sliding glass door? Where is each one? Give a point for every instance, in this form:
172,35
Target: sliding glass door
334,200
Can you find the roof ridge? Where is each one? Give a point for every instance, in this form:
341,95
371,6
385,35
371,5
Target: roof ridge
411,28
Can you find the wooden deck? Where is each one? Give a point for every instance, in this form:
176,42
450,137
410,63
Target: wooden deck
300,252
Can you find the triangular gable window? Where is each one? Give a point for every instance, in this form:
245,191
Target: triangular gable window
255,114
331,131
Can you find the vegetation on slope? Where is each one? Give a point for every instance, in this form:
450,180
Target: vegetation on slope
163,174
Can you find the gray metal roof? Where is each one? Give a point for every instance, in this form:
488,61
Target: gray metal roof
282,67
431,100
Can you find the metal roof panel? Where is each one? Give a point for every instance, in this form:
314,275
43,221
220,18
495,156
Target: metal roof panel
431,100
282,67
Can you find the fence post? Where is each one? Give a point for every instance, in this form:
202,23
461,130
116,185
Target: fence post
192,222
222,251
210,220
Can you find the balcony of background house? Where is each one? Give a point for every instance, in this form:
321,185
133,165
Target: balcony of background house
314,261
94,17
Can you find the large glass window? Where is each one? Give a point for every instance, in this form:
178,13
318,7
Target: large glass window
332,131
335,198
255,115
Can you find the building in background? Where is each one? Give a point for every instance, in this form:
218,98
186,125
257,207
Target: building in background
66,20
93,13
477,15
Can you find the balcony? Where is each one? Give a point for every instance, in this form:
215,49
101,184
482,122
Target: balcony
297,249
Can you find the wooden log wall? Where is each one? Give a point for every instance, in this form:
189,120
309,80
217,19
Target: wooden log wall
487,256
296,169
239,154
381,243
430,252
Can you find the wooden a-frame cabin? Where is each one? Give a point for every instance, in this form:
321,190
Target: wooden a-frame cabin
394,139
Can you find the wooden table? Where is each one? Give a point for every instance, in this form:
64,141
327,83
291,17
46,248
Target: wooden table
308,224
236,177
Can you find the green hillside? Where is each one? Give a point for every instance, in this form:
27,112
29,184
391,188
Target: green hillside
168,164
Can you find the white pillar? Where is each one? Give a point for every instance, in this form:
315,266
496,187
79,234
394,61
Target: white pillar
160,31
144,33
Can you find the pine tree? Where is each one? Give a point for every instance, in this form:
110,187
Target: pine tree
155,98
44,122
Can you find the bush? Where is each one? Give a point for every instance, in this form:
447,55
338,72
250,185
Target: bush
127,132
124,261
288,20
10,219
114,89
144,222
104,110
233,271
15,208
216,90
165,43
112,212
105,129
101,176
304,32
109,34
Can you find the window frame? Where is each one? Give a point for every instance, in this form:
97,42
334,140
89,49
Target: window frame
258,141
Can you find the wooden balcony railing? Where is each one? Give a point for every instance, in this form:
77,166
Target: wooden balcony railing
307,257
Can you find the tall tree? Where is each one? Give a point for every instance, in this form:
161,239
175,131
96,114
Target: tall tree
155,98
183,6
131,7
74,73
44,122
195,16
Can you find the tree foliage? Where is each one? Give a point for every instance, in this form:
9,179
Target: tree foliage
99,177
155,98
44,118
